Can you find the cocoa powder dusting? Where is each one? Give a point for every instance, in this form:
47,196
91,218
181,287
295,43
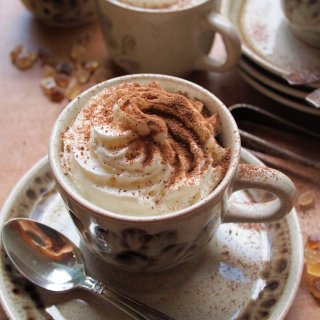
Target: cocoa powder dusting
151,123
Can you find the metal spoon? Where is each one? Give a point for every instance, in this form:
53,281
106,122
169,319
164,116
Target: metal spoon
50,260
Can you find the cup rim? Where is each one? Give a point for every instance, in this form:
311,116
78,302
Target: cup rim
63,182
152,10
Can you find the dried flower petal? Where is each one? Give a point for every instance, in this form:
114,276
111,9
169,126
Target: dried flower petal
312,264
313,285
62,80
15,52
23,58
47,83
91,66
312,259
56,94
48,71
46,56
78,51
313,242
73,89
83,75
64,67
51,89
306,199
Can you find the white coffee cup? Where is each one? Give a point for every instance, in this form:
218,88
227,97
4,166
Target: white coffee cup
172,42
303,18
63,13
158,242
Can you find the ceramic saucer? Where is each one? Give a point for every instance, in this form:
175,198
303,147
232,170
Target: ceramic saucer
283,98
300,94
248,271
267,39
271,80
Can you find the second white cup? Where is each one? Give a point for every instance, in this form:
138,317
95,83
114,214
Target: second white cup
167,41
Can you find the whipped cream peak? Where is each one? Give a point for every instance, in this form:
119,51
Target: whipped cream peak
141,150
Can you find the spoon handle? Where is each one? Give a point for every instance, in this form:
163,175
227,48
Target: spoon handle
133,308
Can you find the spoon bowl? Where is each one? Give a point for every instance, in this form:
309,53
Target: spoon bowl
50,260
44,256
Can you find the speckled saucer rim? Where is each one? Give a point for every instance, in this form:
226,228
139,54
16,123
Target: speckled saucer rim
250,53
296,266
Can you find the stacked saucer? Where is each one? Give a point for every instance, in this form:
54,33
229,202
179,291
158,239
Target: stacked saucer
272,54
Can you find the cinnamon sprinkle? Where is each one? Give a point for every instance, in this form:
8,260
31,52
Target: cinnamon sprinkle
154,123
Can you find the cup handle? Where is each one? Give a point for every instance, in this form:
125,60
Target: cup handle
231,39
262,178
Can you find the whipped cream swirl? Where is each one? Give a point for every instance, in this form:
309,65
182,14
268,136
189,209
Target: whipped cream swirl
141,150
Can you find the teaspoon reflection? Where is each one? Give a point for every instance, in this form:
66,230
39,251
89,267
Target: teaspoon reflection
50,260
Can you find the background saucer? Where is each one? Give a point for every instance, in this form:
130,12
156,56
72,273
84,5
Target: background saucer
283,98
271,80
248,271
267,39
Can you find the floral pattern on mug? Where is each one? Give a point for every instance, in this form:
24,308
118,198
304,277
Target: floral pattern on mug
136,247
